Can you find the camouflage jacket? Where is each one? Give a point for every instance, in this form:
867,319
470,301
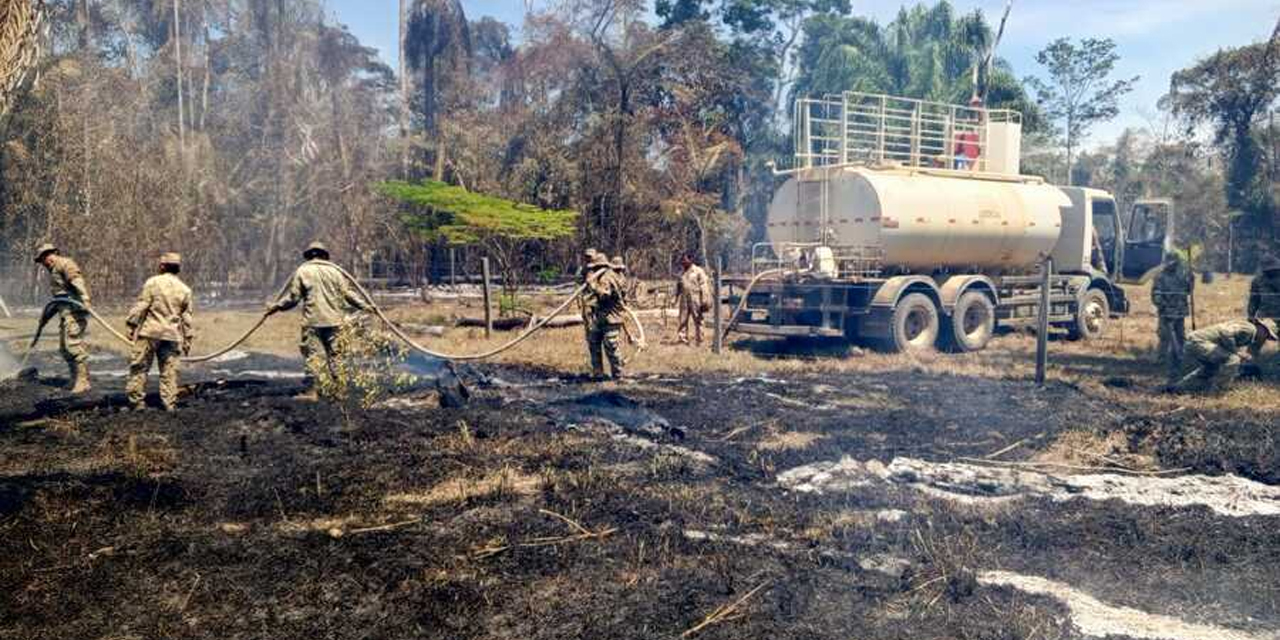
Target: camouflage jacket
605,297
1171,292
1232,335
325,294
1264,296
691,291
163,310
65,279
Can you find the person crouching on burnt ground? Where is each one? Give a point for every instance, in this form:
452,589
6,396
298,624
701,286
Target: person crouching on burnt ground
160,326
66,281
1215,352
326,297
603,303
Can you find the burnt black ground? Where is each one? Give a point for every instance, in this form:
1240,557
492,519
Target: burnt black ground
216,522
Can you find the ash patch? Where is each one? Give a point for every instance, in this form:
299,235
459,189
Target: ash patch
1230,496
1098,619
626,420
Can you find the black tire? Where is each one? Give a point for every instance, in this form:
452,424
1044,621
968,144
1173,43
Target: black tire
1091,317
972,323
914,325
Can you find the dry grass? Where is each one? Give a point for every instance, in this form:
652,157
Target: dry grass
789,441
1128,349
505,482
1090,449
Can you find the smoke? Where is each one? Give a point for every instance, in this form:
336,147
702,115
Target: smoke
8,363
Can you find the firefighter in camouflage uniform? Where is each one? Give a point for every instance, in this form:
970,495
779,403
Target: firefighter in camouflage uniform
603,303
1264,291
66,281
1171,294
1215,352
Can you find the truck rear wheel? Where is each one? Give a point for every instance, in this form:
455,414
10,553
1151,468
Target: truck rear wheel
972,323
1091,317
915,324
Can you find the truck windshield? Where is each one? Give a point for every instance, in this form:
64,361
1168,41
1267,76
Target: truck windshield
1106,229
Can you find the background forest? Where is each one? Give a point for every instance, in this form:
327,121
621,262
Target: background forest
235,131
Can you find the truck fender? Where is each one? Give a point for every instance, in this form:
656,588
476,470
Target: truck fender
894,288
1115,295
956,286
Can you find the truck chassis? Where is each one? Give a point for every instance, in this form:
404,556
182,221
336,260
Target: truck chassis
959,312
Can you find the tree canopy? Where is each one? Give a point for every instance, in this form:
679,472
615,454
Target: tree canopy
462,217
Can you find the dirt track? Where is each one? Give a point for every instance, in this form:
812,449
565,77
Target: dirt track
556,508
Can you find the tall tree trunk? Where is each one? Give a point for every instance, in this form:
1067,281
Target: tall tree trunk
177,62
404,100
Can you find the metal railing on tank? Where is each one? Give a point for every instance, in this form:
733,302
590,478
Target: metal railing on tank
852,261
867,128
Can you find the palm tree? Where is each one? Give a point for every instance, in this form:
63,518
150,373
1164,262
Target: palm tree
20,22
925,52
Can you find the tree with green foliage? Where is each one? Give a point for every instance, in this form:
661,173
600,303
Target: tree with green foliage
926,52
439,212
1079,93
1234,89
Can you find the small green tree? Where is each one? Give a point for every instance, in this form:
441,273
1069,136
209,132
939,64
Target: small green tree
438,211
1078,93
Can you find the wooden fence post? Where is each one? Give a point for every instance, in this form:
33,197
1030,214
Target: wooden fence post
1042,326
488,308
717,312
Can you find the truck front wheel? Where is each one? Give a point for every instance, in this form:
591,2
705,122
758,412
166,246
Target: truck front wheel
915,324
1091,316
972,323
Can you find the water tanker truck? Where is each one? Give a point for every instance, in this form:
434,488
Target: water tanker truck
907,225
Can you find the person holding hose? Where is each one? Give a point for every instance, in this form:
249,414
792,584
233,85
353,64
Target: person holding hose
67,281
604,306
326,297
160,326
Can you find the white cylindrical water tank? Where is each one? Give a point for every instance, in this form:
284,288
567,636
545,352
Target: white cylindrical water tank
918,221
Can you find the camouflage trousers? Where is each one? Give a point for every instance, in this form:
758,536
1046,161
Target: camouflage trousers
319,348
71,334
690,314
1216,368
169,355
602,342
1173,338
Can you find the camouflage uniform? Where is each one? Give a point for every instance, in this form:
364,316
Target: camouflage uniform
161,324
604,305
1215,351
326,296
66,280
1264,291
694,300
1171,295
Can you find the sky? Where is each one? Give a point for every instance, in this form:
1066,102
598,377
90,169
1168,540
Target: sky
1154,37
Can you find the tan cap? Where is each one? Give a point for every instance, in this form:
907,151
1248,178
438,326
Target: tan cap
171,258
618,264
315,247
594,259
43,250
